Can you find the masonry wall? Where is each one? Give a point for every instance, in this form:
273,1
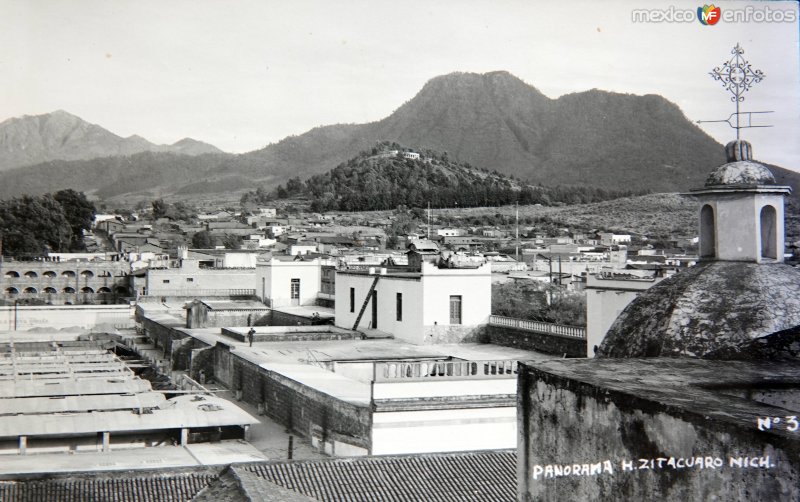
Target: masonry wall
297,407
528,340
189,279
563,422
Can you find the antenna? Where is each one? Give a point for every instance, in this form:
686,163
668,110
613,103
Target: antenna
737,77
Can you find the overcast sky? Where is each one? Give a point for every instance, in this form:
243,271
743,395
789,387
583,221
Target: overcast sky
242,74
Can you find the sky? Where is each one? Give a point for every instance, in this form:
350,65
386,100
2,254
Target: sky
241,74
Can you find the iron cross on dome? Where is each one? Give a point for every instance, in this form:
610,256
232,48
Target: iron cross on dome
737,77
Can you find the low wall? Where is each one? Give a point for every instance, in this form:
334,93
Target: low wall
298,407
55,317
292,334
529,340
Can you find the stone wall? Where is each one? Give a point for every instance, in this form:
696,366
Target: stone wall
162,335
529,340
626,444
298,407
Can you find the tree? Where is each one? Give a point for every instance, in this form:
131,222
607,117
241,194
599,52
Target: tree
159,208
231,241
33,226
202,240
79,213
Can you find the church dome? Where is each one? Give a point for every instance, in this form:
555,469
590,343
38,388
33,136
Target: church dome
740,168
706,309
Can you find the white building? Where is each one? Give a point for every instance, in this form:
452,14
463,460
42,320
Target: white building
411,155
609,239
428,305
607,295
285,281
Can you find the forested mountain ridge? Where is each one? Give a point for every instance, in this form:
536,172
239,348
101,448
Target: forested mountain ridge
385,178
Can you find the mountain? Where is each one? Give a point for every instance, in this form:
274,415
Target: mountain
499,122
493,121
60,135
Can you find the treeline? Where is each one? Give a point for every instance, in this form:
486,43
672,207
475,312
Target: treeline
373,182
33,226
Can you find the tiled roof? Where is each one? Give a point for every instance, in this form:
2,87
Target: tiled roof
487,476
141,487
471,476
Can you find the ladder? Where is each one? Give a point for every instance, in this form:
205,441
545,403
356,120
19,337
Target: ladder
366,302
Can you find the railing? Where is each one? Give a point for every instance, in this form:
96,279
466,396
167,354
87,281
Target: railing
445,370
200,292
539,327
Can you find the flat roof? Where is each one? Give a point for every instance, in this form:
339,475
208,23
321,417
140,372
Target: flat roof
296,359
161,457
179,412
696,389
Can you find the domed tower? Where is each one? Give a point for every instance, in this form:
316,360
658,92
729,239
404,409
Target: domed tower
740,291
741,212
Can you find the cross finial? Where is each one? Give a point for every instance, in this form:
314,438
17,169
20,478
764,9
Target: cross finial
737,77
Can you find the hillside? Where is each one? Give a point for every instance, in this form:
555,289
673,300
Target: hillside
60,135
384,178
493,121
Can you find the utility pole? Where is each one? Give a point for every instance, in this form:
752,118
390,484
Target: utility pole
516,249
429,220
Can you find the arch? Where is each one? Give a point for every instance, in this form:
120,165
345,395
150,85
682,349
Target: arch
31,274
104,290
50,290
12,273
769,232
12,291
69,290
87,273
30,290
50,274
68,273
708,233
121,290
87,289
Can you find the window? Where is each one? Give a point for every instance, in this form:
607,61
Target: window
455,309
708,245
399,306
165,281
769,241
352,299
190,279
295,292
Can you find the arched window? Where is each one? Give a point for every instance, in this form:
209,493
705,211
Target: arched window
49,274
708,237
31,274
12,291
769,232
69,290
87,274
30,291
104,290
12,274
87,289
68,273
50,290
